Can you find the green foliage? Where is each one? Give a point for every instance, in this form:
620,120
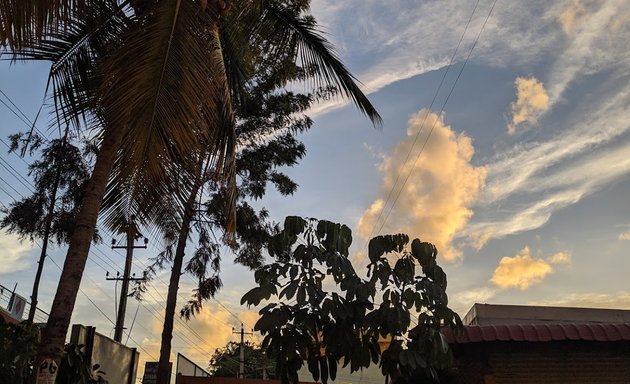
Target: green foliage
18,347
308,322
268,119
59,177
75,368
225,361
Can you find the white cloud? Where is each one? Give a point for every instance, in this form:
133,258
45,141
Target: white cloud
531,101
462,301
434,203
533,180
520,271
14,254
618,300
624,236
591,48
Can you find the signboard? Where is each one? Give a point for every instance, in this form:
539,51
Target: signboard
16,306
47,372
150,372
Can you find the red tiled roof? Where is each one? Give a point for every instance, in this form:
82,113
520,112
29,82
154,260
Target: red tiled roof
540,332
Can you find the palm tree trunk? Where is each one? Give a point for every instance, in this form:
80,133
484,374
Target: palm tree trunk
53,336
164,368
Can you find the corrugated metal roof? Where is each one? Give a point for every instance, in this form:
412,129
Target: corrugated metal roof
540,333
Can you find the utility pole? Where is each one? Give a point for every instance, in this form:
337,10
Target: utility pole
241,370
131,236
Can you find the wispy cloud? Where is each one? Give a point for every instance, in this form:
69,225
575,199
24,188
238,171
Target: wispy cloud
440,187
531,101
422,37
591,48
520,271
14,254
463,300
560,258
419,38
533,180
618,300
572,16
624,236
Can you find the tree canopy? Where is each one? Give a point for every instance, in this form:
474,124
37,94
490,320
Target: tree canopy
225,361
393,317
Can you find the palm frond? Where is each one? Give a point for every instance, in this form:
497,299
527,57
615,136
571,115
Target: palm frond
165,91
24,22
73,53
286,30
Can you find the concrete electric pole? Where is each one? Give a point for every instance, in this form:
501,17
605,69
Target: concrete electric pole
241,371
131,236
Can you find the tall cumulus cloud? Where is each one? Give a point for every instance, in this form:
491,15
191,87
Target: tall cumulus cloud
441,186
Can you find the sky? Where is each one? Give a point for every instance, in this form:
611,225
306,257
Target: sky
509,151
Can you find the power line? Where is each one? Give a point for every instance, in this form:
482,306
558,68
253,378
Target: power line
435,95
391,207
441,111
86,296
24,119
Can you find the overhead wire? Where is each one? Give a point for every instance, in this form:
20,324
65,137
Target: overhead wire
441,111
420,130
30,187
435,95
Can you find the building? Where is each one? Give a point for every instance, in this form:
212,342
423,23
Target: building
526,344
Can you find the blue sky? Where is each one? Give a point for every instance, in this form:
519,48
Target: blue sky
523,182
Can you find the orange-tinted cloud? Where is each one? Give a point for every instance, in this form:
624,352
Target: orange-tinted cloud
624,236
560,258
199,337
440,187
531,101
520,271
478,240
572,16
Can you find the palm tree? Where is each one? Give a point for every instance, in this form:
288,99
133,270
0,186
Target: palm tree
153,76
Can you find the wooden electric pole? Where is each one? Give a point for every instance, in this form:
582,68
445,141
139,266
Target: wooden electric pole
122,307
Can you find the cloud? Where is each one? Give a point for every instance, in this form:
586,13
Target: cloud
533,180
624,236
462,301
478,240
211,329
592,48
14,254
560,258
531,101
434,203
419,38
520,271
618,300
573,15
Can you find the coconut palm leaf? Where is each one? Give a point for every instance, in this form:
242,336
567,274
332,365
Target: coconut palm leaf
24,22
73,53
282,30
165,92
